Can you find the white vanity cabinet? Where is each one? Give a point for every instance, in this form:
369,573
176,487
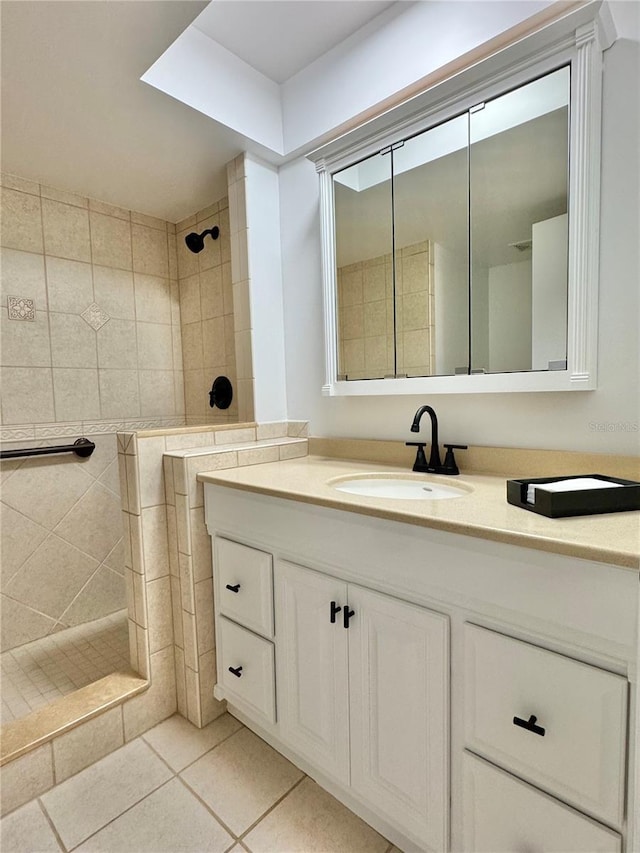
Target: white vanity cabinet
363,688
407,715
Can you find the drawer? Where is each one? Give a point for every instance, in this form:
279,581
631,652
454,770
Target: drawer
252,658
502,814
581,709
244,585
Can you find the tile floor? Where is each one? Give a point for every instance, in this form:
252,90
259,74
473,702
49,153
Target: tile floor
178,788
38,672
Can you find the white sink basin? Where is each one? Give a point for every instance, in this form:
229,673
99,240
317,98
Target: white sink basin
402,488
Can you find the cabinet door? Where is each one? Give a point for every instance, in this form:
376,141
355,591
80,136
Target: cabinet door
312,667
399,680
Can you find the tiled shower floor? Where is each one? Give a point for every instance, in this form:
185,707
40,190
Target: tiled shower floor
38,672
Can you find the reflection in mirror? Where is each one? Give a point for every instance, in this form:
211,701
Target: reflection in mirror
364,241
518,163
431,230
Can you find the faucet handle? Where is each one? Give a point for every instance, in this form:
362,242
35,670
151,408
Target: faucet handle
421,460
450,466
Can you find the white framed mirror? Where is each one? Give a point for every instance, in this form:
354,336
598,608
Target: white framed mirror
460,250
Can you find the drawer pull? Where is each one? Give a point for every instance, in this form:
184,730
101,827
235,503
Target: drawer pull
234,588
335,609
236,670
529,725
347,615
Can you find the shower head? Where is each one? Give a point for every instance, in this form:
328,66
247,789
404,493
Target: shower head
195,242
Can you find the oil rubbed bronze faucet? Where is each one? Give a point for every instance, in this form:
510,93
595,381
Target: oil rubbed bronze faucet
434,465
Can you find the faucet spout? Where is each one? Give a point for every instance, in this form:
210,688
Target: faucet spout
434,457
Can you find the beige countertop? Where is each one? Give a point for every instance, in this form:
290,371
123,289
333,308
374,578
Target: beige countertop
483,512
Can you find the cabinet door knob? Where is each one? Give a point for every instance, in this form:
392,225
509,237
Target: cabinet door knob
529,725
234,588
347,615
236,670
335,609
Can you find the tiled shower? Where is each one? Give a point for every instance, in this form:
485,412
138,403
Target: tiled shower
105,314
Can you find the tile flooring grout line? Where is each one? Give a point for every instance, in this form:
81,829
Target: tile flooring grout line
191,763
249,829
51,824
123,812
224,825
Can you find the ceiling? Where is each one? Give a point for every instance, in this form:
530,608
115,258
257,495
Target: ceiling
75,114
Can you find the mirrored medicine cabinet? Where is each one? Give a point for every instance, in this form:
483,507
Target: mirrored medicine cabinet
460,231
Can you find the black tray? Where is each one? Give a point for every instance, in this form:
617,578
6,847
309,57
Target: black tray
583,502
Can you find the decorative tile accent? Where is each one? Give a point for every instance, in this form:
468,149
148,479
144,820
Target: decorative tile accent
95,316
21,308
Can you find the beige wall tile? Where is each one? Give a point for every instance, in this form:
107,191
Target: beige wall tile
183,526
155,547
298,429
374,282
211,296
27,395
139,600
375,318
173,255
186,586
375,355
66,231
20,624
109,209
64,196
181,687
176,342
26,778
416,348
190,640
150,251
20,537
210,256
79,525
38,580
76,394
14,182
179,467
176,610
258,455
26,343
111,242
155,347
195,392
117,345
119,393
187,223
415,272
354,355
194,714
241,307
69,285
158,702
149,221
192,346
207,212
38,494
160,614
352,319
113,291
187,260
105,593
227,288
294,450
415,308
190,311
21,221
87,743
144,661
22,274
153,300
213,343
157,393
200,546
150,453
133,484
133,646
204,616
73,341
169,487
274,429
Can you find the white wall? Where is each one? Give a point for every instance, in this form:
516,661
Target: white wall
451,290
602,420
510,317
